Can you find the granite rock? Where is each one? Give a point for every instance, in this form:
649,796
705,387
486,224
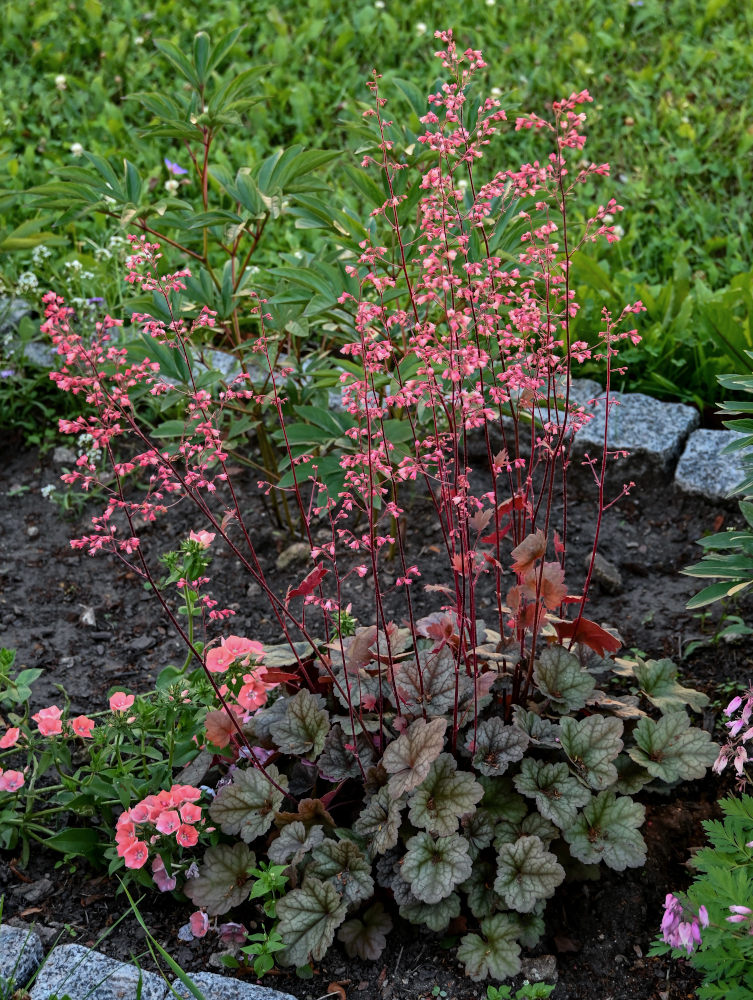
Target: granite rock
86,975
704,469
20,955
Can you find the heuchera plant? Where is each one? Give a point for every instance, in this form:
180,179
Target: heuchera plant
437,760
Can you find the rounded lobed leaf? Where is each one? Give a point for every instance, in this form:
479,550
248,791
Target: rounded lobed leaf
558,795
526,873
496,954
436,916
607,830
345,867
495,746
294,843
379,823
248,806
592,744
433,868
671,750
367,937
443,797
559,675
223,879
410,756
308,919
304,727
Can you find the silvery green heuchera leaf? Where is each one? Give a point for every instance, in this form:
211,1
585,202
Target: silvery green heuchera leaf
531,925
345,867
337,761
557,793
427,681
308,919
408,758
501,800
304,727
607,830
389,875
261,722
433,868
495,746
479,889
498,956
436,916
379,822
658,681
559,675
248,806
526,873
366,938
223,880
478,829
631,776
534,825
540,731
592,744
670,750
443,797
294,843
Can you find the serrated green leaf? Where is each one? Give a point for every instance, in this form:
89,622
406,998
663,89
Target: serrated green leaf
526,873
433,867
436,916
591,745
479,888
670,750
558,795
307,920
443,797
410,756
429,683
531,926
607,830
533,825
559,675
304,727
478,830
498,956
495,746
366,938
658,681
223,880
337,762
294,843
501,800
379,822
345,867
249,804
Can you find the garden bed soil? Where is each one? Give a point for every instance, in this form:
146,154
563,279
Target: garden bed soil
90,626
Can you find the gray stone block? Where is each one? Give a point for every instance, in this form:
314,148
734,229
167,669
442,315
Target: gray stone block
86,975
703,469
20,955
224,988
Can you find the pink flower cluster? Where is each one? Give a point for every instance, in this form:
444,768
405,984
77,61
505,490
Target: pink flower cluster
246,692
679,932
740,732
156,816
50,722
11,781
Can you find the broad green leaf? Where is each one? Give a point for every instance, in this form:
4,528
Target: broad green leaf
345,867
366,938
435,916
501,800
410,756
496,954
534,825
379,822
294,843
479,888
304,727
658,681
591,745
430,684
558,795
443,797
308,918
607,830
562,679
531,926
77,841
495,746
433,867
223,880
478,830
389,869
337,761
249,804
526,872
670,750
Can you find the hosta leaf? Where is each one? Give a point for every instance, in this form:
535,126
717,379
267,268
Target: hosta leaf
294,843
248,806
534,825
557,793
526,872
670,750
607,830
345,867
443,797
430,683
337,761
223,880
501,800
478,830
436,916
592,744
410,756
540,731
479,888
498,956
559,675
366,938
308,919
433,868
304,727
495,746
379,822
657,679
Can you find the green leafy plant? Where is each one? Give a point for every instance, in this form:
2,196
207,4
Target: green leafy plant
528,991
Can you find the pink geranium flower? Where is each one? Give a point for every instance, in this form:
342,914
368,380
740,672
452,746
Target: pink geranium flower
190,813
219,659
239,646
137,855
168,821
11,781
10,738
202,538
82,726
187,836
48,720
199,923
121,702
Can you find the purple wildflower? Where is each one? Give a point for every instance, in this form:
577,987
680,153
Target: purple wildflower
681,933
174,168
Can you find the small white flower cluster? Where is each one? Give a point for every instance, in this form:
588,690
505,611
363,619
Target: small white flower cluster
87,446
77,149
47,491
60,82
27,283
76,271
40,254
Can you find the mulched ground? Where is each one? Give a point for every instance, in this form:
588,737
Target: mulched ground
598,933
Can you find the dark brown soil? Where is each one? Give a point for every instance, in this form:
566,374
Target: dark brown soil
598,932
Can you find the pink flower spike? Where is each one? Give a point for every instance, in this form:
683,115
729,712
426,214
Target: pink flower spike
199,923
121,702
48,720
202,538
10,738
82,726
137,855
11,781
